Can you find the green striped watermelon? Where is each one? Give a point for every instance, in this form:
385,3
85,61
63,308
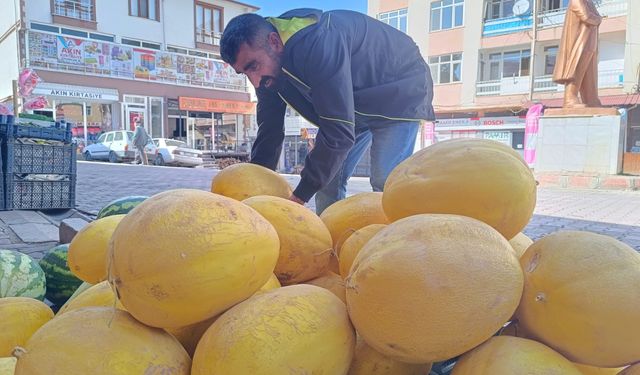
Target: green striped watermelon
121,206
20,276
61,282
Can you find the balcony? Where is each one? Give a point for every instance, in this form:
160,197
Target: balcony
60,53
606,8
547,19
76,13
520,85
208,37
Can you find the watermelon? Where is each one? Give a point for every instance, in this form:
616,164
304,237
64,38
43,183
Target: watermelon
121,206
61,282
20,276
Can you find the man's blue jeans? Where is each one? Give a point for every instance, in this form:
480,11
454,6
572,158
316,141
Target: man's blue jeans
391,143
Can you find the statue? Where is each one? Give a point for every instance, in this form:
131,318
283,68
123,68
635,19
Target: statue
577,60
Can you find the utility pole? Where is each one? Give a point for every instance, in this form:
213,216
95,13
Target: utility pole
534,40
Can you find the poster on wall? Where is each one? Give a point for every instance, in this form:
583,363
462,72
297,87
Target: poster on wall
43,48
186,68
144,64
166,67
96,55
121,61
70,50
202,71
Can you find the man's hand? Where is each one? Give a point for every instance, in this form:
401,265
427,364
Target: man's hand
296,199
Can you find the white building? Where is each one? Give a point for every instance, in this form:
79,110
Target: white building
105,63
480,54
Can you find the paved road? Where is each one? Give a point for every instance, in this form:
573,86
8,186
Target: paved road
615,213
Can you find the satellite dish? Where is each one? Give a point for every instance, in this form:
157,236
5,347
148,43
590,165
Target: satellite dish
521,7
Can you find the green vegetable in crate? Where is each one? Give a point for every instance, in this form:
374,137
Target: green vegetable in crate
20,276
121,206
61,282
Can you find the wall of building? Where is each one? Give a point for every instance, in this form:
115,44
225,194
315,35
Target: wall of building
632,48
8,46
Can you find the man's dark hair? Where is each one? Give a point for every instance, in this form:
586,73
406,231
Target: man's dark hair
245,28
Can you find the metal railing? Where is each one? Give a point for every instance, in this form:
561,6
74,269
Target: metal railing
208,37
78,9
548,18
606,79
606,8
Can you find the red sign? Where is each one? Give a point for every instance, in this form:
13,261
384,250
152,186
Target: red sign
216,105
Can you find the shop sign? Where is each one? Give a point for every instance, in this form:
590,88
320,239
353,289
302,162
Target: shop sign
216,105
481,122
76,92
503,137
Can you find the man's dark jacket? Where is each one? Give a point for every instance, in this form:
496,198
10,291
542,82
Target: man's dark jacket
345,63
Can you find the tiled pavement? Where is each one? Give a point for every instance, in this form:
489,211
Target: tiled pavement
614,213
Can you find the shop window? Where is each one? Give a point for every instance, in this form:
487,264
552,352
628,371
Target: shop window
446,14
209,23
446,68
396,19
145,9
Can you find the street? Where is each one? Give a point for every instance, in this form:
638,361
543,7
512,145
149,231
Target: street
614,213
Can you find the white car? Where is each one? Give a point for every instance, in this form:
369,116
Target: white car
116,146
174,152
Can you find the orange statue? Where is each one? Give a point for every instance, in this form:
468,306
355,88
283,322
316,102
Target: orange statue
577,61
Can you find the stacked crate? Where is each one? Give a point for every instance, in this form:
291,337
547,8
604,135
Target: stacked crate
39,167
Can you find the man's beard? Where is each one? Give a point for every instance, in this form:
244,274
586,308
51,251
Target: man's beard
273,81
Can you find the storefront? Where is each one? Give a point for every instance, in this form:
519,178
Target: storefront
631,156
150,111
90,110
218,126
507,130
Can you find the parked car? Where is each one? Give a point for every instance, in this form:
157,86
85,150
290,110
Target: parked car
116,146
174,152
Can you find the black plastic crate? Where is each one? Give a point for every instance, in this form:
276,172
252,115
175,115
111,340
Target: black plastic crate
12,130
21,194
25,158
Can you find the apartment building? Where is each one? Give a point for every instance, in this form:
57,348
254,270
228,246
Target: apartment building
105,64
490,66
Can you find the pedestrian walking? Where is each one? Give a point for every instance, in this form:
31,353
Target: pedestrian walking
361,81
140,140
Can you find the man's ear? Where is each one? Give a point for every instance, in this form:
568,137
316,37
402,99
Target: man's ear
275,42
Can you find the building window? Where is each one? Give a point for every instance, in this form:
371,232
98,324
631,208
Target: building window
550,54
550,5
81,34
39,26
79,9
446,68
106,38
177,50
131,42
446,14
500,9
397,19
507,65
145,9
209,23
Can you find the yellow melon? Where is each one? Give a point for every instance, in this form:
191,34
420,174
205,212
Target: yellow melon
334,263
478,178
581,297
183,256
431,287
7,365
332,282
346,216
244,180
506,355
101,341
352,246
20,317
590,370
99,295
367,361
272,283
297,329
190,335
87,257
305,242
520,243
631,370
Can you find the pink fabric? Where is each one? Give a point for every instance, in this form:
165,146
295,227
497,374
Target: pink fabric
531,133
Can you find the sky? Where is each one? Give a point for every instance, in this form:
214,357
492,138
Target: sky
277,7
